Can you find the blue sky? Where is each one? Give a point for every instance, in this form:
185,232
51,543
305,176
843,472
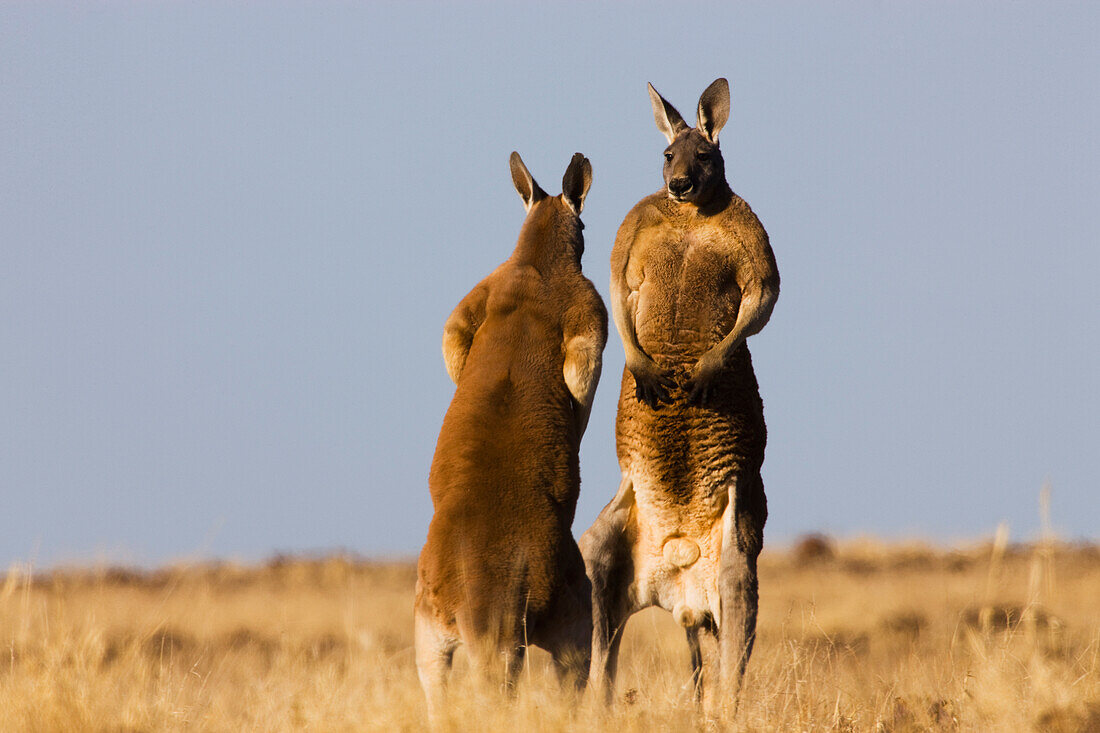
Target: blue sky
230,235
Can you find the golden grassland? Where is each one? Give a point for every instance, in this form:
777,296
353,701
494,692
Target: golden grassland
858,636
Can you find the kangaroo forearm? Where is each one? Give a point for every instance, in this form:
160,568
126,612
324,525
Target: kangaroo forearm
624,322
583,364
632,349
456,347
752,316
580,417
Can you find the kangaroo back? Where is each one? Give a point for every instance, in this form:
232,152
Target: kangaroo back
500,567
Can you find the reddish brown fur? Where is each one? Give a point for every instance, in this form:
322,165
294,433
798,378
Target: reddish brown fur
692,276
500,567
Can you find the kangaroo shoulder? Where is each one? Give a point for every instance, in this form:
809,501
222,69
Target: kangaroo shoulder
644,221
511,284
583,308
653,210
738,216
750,241
591,301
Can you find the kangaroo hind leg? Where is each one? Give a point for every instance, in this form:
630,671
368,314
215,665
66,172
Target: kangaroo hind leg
566,629
702,640
607,548
743,537
435,648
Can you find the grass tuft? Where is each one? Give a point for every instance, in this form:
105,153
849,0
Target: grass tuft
853,636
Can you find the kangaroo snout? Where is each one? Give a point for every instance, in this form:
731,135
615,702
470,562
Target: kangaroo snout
679,186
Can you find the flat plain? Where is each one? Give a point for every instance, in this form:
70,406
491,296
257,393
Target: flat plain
853,636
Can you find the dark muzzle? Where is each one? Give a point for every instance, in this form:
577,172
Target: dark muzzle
679,186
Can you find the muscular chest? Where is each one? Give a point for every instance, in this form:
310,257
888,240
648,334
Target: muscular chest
679,260
682,281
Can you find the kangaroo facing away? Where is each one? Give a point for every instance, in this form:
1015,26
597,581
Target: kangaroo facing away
500,568
692,276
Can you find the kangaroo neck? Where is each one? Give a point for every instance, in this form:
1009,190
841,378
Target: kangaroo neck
549,245
714,202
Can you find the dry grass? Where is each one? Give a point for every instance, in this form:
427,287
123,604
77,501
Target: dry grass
856,637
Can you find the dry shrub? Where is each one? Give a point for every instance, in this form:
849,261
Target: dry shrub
813,548
906,623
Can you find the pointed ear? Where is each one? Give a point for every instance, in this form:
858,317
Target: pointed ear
575,183
526,187
669,121
714,109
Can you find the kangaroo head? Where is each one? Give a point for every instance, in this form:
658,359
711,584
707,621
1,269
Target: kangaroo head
693,168
575,184
566,207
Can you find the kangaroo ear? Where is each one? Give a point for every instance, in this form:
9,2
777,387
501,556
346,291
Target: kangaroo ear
526,187
575,183
669,121
714,109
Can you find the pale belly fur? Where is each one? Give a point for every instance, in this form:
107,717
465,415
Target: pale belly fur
683,461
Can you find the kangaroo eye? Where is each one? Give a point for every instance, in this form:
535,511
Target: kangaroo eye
703,156
668,157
